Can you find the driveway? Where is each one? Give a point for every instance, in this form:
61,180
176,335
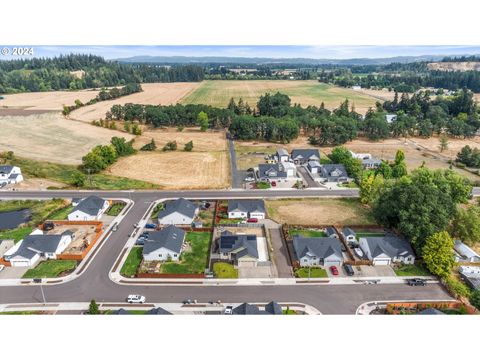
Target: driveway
237,175
280,254
307,177
13,272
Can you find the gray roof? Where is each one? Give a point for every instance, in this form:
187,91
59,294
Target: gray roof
282,152
33,244
314,164
392,246
247,244
158,311
247,309
305,154
90,205
6,169
273,308
246,205
182,206
346,231
373,161
329,171
330,230
464,250
170,238
272,171
321,247
121,311
431,311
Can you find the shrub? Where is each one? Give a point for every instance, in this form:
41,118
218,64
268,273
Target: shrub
456,288
188,146
151,146
93,308
475,299
170,146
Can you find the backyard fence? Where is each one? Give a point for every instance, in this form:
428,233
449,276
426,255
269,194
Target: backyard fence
98,234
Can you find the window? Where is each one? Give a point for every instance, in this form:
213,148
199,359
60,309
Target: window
175,255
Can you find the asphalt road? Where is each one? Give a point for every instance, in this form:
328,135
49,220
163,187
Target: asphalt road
94,282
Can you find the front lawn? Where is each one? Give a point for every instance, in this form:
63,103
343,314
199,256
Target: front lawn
115,209
156,210
315,272
193,261
131,264
289,312
263,185
50,269
16,234
307,233
225,271
61,214
411,270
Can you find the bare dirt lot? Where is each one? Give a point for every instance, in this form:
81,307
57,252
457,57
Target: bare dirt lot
50,137
319,211
48,100
152,94
82,236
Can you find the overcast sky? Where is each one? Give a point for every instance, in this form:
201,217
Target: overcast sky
315,52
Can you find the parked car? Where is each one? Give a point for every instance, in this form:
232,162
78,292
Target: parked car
187,301
150,226
273,183
140,241
334,270
115,227
359,252
249,179
252,220
228,310
416,282
207,205
48,225
136,299
349,269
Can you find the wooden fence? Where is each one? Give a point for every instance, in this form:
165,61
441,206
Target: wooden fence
170,276
98,231
396,308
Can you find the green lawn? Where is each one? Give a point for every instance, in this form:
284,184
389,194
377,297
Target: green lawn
16,234
156,210
411,270
41,209
307,233
50,269
263,185
289,312
61,214
225,271
193,261
21,313
134,258
314,273
115,209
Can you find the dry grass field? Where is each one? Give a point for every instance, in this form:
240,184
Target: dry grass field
319,211
381,95
50,137
152,94
48,100
309,92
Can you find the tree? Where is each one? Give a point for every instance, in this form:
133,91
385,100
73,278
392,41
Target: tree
188,146
122,146
202,120
443,142
438,254
78,179
170,146
151,146
466,225
93,308
370,186
475,299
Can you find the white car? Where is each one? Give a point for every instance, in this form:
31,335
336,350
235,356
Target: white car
359,252
2,267
136,299
228,310
249,179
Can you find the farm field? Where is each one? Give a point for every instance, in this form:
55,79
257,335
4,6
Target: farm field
382,95
50,137
319,211
152,94
306,92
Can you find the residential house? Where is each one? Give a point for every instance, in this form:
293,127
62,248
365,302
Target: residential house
36,245
333,173
331,232
276,172
163,245
360,156
390,118
272,308
248,208
384,250
465,253
371,163
282,155
303,156
158,311
89,209
241,249
178,212
471,275
10,174
314,167
349,235
318,251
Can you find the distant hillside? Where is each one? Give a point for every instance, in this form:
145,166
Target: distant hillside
455,66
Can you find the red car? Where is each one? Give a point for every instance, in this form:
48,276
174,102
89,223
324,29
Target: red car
273,183
252,220
334,270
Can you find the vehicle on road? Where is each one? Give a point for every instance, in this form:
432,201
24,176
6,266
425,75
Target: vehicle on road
359,252
273,183
135,225
150,226
334,270
252,220
115,227
187,302
228,310
249,179
136,299
416,282
349,269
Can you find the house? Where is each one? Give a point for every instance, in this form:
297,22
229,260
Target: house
36,245
390,118
314,167
333,173
371,163
239,248
166,244
282,155
120,311
303,156
349,235
272,308
10,174
471,275
178,212
276,172
360,156
318,251
356,87
246,209
89,209
331,232
384,250
158,311
465,252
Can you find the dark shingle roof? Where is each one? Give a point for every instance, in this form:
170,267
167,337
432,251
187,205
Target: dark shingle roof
247,309
90,205
330,231
272,171
243,243
158,311
392,246
320,247
273,308
170,238
347,231
431,311
6,169
182,206
121,312
333,171
246,205
305,154
34,244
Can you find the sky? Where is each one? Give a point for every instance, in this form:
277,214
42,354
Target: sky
284,51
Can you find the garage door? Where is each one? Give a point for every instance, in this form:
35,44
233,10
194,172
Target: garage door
332,263
381,262
18,263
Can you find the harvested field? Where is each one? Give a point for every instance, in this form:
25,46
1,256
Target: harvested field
306,92
47,100
382,95
153,94
319,211
50,137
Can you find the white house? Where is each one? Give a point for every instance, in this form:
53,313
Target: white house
303,156
10,174
349,235
314,167
163,245
248,208
360,155
388,249
89,209
318,251
465,252
178,212
277,172
282,155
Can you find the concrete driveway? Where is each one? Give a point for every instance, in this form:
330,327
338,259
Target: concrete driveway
13,272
